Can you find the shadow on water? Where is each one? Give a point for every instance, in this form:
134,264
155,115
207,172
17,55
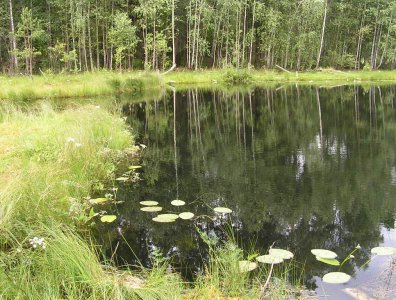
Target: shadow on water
301,167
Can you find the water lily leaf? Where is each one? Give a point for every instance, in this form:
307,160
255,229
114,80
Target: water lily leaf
269,259
151,208
222,210
281,253
168,216
246,266
99,200
163,220
323,253
134,167
178,203
108,218
336,277
148,203
383,251
332,262
186,215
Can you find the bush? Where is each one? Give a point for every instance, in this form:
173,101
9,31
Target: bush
234,76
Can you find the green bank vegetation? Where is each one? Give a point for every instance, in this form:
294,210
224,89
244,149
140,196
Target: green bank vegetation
78,85
51,162
257,77
83,85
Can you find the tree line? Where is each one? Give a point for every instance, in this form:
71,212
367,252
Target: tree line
86,35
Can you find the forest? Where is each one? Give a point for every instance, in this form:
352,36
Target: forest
39,36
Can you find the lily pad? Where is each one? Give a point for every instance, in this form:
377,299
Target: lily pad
163,220
336,277
332,262
151,208
323,253
186,215
383,251
269,259
281,253
222,210
108,218
178,203
246,266
168,216
134,167
149,203
99,200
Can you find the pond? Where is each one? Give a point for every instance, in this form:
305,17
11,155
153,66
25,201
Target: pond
301,167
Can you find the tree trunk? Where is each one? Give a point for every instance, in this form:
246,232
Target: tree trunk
14,60
252,33
322,35
173,34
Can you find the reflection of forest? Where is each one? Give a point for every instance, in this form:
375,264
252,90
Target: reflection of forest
303,167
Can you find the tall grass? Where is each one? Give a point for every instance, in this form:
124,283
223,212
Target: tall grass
49,162
325,76
77,85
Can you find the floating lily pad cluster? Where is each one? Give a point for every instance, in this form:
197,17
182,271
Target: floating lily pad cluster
330,258
152,206
275,256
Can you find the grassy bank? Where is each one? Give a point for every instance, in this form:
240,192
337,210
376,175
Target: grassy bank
329,76
77,85
50,163
110,83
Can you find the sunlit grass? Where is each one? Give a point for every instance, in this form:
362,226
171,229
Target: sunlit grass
102,83
329,76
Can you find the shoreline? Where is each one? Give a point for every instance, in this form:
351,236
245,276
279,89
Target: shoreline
105,83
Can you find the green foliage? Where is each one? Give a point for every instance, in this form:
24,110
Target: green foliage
123,37
234,76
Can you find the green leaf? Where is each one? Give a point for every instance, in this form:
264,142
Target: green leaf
168,216
178,203
163,220
281,253
91,213
108,218
332,262
336,277
151,208
134,167
323,253
222,210
383,251
269,259
149,203
186,215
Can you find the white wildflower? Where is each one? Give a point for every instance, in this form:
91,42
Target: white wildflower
77,145
36,242
70,140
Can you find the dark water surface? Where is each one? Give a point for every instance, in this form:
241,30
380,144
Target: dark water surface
301,167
